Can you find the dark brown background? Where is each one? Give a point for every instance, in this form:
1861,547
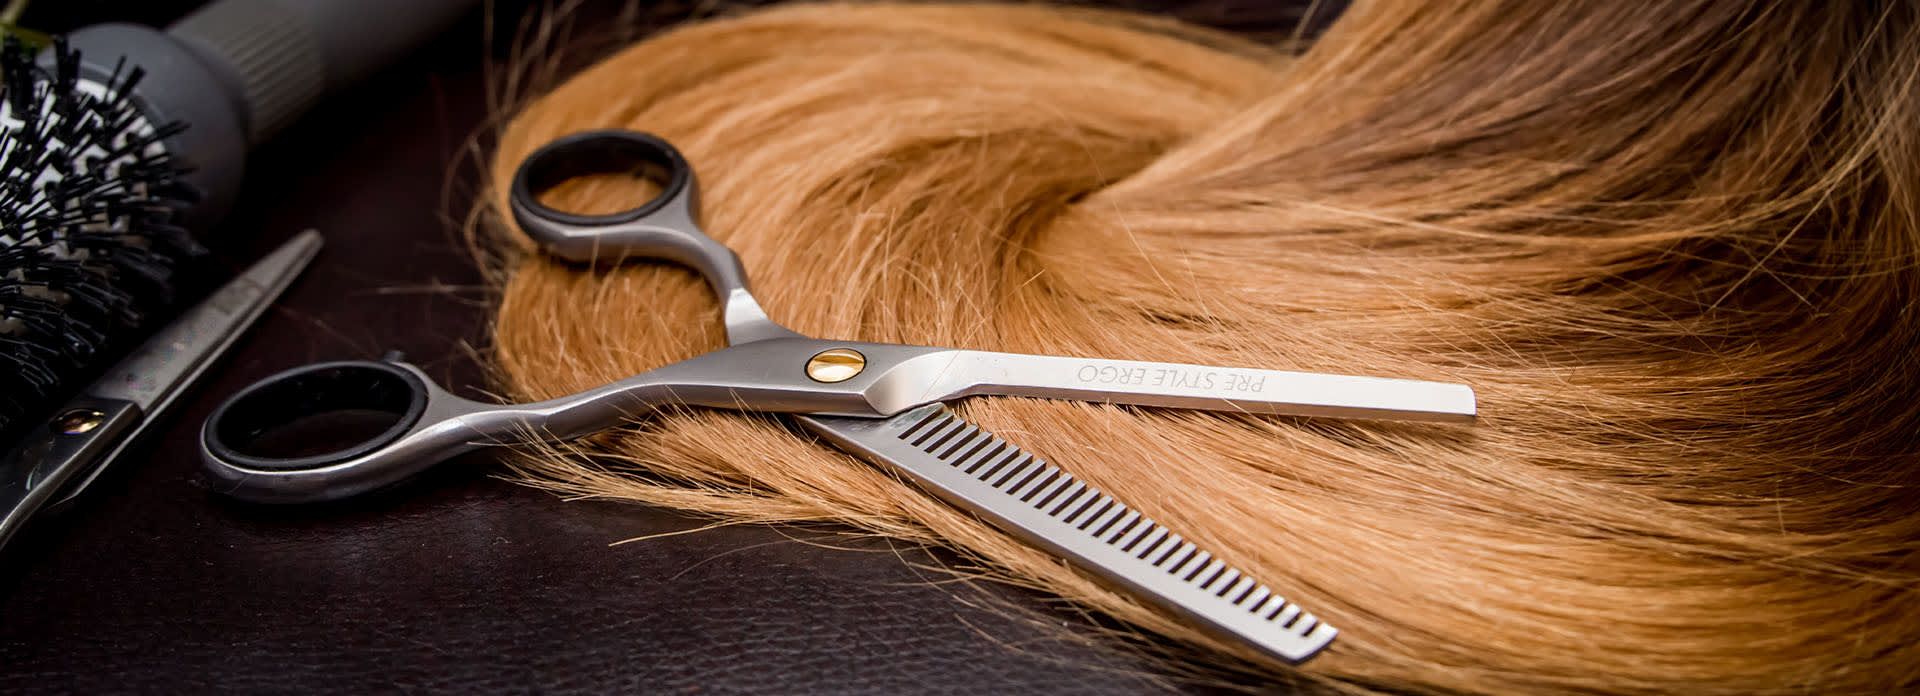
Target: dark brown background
460,582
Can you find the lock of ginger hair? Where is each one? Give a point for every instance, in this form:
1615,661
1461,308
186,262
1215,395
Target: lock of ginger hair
1673,251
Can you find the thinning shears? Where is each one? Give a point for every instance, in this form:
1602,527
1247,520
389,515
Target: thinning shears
881,401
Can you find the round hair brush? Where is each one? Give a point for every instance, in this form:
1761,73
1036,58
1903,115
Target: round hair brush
122,142
87,240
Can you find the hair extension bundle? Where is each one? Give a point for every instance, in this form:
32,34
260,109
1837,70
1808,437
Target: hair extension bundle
1675,254
87,241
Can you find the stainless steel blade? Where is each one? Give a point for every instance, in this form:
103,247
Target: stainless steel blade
960,373
977,471
162,369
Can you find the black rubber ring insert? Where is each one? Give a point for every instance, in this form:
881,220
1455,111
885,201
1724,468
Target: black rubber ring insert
307,391
598,152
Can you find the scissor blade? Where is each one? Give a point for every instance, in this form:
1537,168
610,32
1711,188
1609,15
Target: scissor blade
966,373
977,471
167,363
171,360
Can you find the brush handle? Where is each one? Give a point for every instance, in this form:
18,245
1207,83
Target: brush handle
284,55
237,72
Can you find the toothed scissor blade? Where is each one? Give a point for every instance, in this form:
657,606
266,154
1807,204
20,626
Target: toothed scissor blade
1019,492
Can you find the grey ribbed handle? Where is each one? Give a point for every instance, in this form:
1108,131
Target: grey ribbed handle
236,72
284,55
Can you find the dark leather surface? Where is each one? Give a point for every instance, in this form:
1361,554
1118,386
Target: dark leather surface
460,582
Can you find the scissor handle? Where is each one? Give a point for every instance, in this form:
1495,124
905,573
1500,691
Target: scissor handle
290,437
339,429
663,227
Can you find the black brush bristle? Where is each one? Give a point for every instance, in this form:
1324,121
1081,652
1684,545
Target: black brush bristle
87,241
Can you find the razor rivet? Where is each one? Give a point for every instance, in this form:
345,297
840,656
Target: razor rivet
78,421
837,365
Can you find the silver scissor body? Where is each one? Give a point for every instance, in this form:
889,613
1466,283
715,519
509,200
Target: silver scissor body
880,401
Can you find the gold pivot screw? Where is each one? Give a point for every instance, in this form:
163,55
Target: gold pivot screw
837,365
78,421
